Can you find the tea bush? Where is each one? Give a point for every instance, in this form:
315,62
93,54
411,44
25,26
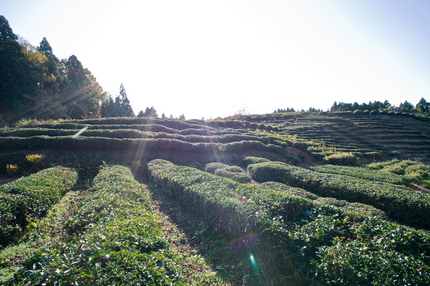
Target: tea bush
116,241
345,205
289,190
414,170
399,203
362,173
292,240
341,158
245,214
31,197
247,160
233,172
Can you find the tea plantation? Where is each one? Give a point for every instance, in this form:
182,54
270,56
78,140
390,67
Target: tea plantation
274,199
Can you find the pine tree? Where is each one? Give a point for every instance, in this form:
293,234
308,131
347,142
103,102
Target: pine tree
82,93
53,64
423,106
108,108
15,79
125,108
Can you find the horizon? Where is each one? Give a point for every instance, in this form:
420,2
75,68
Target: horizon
212,59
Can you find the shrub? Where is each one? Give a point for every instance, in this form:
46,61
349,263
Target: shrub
362,173
35,158
292,240
233,172
412,170
399,203
196,165
117,241
248,160
289,190
341,158
345,205
12,169
31,197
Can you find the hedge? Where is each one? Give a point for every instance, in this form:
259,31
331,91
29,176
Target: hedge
247,160
134,133
399,203
362,173
116,241
31,197
233,172
292,240
345,205
169,148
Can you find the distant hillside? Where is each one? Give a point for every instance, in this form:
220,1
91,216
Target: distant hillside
298,138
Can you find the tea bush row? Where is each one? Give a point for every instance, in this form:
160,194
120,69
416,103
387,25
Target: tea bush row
362,173
30,197
106,144
171,123
133,133
233,172
116,240
248,160
79,126
399,203
345,205
412,169
293,240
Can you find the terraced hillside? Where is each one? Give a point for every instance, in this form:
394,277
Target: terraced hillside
372,136
255,200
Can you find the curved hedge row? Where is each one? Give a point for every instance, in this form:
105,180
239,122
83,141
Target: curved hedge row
117,241
399,203
31,197
362,173
292,240
136,134
233,172
171,123
149,145
345,205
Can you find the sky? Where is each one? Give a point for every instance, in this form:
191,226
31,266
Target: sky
214,58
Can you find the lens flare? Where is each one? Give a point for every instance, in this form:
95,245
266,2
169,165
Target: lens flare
253,262
80,132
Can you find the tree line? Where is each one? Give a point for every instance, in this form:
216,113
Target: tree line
34,83
422,107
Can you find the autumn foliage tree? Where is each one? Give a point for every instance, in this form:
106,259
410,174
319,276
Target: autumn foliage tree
34,83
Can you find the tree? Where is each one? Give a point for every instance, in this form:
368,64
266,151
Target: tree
82,92
52,64
141,114
405,106
150,112
15,78
423,106
108,108
125,109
